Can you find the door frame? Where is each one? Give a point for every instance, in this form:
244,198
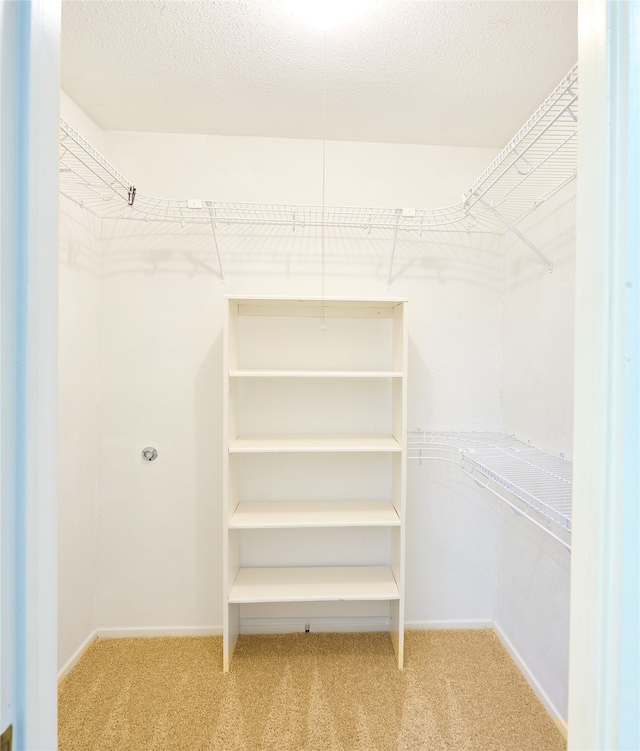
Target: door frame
605,412
604,659
29,99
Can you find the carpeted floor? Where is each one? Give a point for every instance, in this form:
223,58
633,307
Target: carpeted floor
459,691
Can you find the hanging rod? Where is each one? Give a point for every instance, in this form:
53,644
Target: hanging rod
532,482
540,159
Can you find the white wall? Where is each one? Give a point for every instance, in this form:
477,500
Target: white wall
160,374
79,293
532,610
453,543
161,371
70,112
539,327
288,170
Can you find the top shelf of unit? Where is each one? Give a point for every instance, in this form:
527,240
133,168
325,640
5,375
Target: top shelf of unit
316,307
313,338
341,302
535,164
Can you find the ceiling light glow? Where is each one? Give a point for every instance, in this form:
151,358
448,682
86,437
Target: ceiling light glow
324,14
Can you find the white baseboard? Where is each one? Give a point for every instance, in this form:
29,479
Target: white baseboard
153,631
289,625
532,681
316,625
343,625
75,657
436,625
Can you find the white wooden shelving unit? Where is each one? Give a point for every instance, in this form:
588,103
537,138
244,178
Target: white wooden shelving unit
315,461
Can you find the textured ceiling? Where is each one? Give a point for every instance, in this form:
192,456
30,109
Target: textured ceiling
431,72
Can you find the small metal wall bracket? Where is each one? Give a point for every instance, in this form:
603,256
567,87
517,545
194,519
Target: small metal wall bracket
149,453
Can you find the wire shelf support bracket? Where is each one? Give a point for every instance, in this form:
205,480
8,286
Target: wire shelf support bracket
519,234
393,247
215,238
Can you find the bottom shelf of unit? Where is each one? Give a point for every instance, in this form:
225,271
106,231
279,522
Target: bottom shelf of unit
321,584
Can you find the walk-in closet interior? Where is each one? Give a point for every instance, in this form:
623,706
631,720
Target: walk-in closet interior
316,295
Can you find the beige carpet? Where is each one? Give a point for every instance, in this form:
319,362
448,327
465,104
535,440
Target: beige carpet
303,692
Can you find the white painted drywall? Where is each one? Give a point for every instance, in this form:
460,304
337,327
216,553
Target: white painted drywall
453,542
532,609
289,170
160,373
160,367
79,120
79,297
539,327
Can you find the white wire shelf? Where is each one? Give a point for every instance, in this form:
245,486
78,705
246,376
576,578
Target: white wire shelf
537,162
532,481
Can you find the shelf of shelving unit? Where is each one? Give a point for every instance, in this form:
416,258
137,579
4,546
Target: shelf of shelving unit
315,374
319,444
534,482
314,514
314,584
311,343
538,161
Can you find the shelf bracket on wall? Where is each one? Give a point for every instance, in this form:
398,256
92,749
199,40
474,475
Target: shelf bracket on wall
516,232
393,247
215,237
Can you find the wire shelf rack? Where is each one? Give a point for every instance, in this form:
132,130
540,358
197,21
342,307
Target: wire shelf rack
537,162
533,482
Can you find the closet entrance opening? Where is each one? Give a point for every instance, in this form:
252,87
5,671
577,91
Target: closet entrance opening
313,270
